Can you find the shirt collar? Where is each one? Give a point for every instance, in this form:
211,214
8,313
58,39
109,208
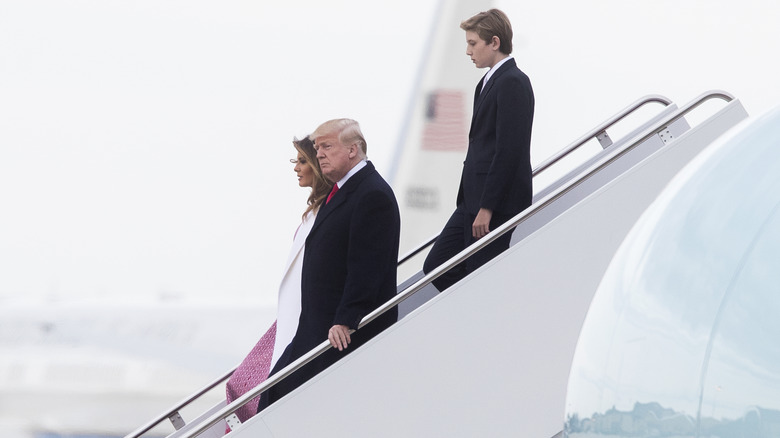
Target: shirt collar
493,70
361,164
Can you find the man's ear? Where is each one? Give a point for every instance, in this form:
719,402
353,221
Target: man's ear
495,42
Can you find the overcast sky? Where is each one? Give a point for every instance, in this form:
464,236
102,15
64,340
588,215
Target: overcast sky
144,143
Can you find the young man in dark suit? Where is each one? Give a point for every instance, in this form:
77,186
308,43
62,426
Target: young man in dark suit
495,184
350,258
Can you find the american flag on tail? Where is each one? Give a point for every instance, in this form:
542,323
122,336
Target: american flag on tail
445,122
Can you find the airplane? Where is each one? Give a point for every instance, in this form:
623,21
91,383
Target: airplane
564,321
98,362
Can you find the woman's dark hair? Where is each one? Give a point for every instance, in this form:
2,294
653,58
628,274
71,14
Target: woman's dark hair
320,187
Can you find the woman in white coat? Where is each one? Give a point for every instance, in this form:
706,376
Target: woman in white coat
255,367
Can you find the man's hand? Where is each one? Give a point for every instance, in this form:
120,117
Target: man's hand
338,335
481,225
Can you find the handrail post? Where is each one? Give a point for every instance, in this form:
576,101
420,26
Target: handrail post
177,420
604,139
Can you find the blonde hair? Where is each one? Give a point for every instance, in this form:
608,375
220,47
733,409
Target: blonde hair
320,187
349,133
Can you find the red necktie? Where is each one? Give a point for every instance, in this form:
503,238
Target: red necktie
332,192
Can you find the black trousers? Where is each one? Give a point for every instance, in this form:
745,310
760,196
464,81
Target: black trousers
454,238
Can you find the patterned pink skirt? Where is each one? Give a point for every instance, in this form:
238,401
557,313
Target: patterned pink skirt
252,372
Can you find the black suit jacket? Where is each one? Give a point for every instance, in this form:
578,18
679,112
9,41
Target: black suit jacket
497,170
349,269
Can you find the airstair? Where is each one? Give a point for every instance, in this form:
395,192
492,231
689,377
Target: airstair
490,356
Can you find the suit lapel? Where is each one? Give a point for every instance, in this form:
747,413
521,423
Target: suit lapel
479,94
341,196
479,97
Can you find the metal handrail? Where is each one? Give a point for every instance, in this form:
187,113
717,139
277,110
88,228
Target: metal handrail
601,128
173,412
563,153
417,250
458,258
